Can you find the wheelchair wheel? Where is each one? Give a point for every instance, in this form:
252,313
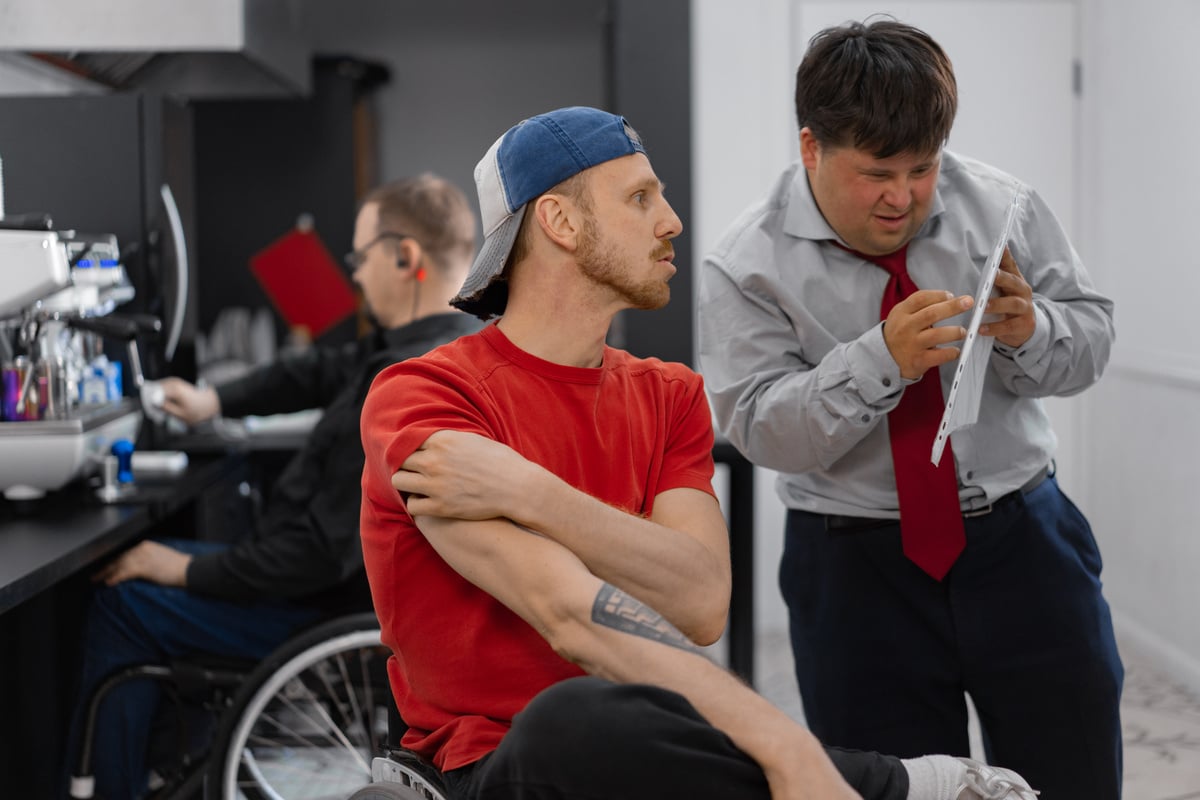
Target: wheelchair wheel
388,791
385,791
308,720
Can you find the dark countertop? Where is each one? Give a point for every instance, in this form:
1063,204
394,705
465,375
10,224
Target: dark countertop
45,541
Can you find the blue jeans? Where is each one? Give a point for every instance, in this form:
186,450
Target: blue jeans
884,653
137,622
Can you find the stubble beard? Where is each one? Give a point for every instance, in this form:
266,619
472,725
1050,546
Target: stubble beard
601,265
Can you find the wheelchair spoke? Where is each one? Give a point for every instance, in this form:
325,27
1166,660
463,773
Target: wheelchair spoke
289,779
356,715
322,725
260,783
327,737
368,700
307,731
345,741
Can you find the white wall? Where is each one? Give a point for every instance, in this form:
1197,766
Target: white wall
1130,440
1139,178
743,132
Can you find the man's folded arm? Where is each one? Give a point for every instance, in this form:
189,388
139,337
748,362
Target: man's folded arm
677,559
610,633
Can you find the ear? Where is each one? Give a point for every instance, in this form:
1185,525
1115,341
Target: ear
408,252
558,218
810,148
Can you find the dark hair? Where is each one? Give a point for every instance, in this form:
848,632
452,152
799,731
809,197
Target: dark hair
431,210
883,87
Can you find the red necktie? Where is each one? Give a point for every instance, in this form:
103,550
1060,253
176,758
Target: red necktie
931,525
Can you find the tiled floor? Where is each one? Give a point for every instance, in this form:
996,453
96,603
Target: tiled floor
1161,721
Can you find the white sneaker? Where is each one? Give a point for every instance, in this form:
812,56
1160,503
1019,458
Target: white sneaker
983,782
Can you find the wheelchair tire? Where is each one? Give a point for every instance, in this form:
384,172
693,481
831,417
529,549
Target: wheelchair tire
308,720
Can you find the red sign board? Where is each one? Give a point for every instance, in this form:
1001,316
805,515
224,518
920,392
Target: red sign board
304,282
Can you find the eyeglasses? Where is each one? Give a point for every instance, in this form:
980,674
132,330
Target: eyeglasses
355,258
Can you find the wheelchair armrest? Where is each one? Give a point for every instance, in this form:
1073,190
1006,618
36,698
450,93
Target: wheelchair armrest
195,674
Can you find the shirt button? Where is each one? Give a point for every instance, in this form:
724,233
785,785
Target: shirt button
866,417
887,381
970,474
1021,353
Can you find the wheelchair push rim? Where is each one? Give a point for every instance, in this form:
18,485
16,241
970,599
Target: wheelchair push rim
312,727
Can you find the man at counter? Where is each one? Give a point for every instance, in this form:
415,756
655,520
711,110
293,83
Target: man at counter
414,241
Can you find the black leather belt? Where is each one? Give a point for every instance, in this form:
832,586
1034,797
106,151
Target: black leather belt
841,522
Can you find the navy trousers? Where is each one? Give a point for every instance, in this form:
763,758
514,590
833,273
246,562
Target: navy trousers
137,622
589,739
884,653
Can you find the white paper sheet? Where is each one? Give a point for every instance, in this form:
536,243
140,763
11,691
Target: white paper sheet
962,406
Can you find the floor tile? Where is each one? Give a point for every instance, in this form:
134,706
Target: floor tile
1160,720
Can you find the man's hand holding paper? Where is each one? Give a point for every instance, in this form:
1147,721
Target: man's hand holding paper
1015,303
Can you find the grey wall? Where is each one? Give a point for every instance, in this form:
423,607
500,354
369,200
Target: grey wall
651,87
463,72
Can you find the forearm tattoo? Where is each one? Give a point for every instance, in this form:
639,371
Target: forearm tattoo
615,609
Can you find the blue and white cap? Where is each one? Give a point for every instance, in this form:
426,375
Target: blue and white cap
531,158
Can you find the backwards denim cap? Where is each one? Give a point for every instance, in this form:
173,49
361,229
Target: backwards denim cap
531,158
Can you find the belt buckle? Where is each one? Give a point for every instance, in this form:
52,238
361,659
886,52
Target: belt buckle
978,512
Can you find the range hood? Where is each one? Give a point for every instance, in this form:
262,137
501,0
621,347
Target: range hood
210,49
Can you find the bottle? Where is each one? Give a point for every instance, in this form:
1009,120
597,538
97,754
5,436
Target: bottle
12,391
93,389
52,388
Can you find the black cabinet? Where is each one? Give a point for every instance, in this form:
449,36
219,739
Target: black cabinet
261,164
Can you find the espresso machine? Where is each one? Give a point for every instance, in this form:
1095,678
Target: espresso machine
63,401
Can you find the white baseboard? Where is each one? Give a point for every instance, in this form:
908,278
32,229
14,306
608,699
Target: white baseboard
1174,663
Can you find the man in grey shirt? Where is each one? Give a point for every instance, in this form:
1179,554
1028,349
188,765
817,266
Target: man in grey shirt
815,360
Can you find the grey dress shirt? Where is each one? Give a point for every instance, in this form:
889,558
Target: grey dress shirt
792,352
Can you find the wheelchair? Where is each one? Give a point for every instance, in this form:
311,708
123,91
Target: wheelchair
309,722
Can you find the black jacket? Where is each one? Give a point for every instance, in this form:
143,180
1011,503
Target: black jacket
307,547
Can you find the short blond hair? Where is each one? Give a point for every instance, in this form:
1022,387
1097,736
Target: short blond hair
431,210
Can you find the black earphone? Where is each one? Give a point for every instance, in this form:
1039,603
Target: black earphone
403,262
